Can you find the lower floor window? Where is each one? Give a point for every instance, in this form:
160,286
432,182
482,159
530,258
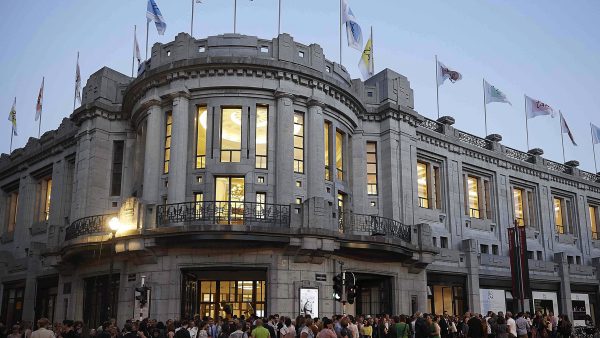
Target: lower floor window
12,303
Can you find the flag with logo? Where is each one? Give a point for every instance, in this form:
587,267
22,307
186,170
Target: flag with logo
493,94
77,81
535,108
12,117
353,30
40,99
366,65
595,133
444,73
154,14
564,128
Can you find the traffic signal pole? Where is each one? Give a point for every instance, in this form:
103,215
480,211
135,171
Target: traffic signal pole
343,289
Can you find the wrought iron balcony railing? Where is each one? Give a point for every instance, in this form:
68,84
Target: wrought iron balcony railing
224,212
373,225
88,225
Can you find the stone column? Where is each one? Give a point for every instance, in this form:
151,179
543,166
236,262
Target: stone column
315,150
473,295
179,148
560,258
284,158
153,154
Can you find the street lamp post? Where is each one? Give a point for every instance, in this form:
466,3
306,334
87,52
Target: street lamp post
114,225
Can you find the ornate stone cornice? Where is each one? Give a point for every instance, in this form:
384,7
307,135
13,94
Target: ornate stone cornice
280,94
312,102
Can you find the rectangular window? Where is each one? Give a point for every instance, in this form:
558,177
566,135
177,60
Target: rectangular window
524,206
229,197
473,197
326,132
168,131
199,204
372,168
12,203
422,184
570,259
559,219
231,134
339,154
444,242
43,199
593,220
262,127
201,123
540,257
117,168
261,200
578,260
530,255
495,250
484,248
298,142
519,205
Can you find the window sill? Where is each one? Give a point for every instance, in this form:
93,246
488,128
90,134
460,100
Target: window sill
480,224
38,228
566,239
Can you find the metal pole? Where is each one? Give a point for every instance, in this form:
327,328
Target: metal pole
234,16
484,109
279,20
526,125
192,22
343,289
437,86
341,32
133,53
147,26
110,273
594,149
372,53
12,133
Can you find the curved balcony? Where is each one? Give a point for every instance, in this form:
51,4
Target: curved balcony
224,212
88,225
373,225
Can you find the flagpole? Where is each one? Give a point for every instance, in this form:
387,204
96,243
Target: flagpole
147,27
12,133
526,124
372,52
562,138
75,93
41,107
192,22
279,20
594,148
437,87
341,32
234,15
484,109
133,53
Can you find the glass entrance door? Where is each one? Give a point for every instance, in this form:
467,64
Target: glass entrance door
229,197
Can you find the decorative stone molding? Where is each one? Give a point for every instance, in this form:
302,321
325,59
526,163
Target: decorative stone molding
494,137
280,94
536,152
447,120
312,102
572,163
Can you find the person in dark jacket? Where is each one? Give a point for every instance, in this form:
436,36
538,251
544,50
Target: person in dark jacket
475,327
444,324
422,330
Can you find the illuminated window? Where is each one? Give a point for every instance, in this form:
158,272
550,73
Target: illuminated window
201,120
339,154
563,208
519,206
372,168
261,199
298,142
229,194
262,123
231,134
117,168
524,206
199,204
12,203
326,132
168,131
593,220
43,199
422,184
478,197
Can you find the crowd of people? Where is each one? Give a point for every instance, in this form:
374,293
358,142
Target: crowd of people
492,325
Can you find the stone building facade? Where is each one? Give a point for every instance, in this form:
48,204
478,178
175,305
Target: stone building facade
250,172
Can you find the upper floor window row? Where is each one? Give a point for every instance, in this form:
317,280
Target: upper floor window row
429,189
478,196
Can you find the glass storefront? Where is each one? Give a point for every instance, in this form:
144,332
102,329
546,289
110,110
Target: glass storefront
446,293
210,293
47,290
96,306
12,302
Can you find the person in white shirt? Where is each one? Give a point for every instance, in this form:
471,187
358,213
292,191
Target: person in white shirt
42,332
512,325
193,329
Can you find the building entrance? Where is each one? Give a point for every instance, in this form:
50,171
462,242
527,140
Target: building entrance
213,293
374,295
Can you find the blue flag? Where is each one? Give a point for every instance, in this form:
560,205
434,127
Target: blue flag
353,30
154,14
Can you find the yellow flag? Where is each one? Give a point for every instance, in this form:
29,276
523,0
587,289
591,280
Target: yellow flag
366,65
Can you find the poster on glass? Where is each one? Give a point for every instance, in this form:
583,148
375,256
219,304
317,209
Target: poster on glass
309,302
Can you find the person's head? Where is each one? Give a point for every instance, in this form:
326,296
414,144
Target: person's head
508,314
259,322
128,327
43,323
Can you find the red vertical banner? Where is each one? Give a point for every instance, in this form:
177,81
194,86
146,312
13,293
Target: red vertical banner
514,263
524,261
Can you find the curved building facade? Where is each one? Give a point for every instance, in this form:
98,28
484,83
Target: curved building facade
249,172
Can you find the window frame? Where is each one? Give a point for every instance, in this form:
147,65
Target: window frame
117,168
232,151
567,211
485,196
530,210
340,167
168,138
264,163
369,185
327,125
201,158
594,214
299,163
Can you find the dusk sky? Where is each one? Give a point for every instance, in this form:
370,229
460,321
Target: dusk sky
548,50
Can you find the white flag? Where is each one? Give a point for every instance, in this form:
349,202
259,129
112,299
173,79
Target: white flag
444,73
77,82
353,30
136,47
38,106
595,134
564,128
12,116
493,94
154,14
534,108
